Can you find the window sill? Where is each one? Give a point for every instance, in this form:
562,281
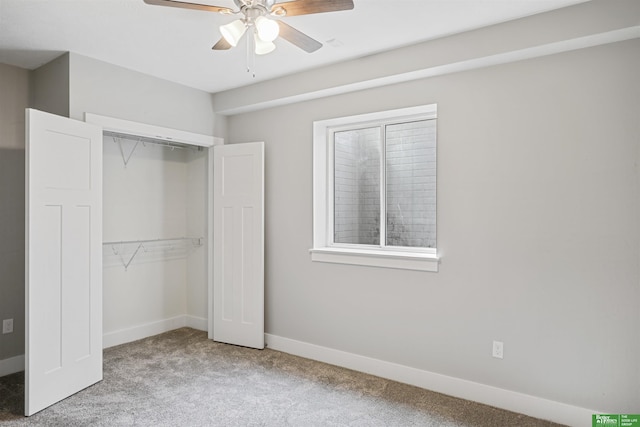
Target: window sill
373,258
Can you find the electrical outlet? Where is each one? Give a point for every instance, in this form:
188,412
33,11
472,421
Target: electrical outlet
7,326
498,349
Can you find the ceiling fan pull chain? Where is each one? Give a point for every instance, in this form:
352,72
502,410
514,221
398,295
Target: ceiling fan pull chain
251,57
247,58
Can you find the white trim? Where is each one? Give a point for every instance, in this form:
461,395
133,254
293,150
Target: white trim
385,259
139,332
11,365
209,248
150,131
199,323
505,399
441,70
420,112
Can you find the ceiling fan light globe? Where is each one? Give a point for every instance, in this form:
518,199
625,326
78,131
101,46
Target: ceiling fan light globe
268,30
233,31
262,47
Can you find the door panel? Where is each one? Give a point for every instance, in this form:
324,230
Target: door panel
238,217
63,258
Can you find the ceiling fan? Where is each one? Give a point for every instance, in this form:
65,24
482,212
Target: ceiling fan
256,16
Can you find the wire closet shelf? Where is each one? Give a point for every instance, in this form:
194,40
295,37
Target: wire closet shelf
126,251
118,138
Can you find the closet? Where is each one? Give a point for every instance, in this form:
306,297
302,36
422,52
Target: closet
154,235
125,240
113,253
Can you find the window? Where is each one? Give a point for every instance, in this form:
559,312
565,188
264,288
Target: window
374,192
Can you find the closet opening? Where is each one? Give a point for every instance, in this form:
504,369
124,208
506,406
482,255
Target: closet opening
156,229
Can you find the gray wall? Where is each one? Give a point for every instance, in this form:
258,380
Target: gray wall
14,87
73,84
538,229
102,88
50,87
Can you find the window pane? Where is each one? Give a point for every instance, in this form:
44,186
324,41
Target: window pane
411,184
357,186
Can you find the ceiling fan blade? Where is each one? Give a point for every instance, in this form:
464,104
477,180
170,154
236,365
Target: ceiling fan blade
298,38
185,5
222,44
306,7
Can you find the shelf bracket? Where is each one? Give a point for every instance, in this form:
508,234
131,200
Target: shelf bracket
125,159
127,263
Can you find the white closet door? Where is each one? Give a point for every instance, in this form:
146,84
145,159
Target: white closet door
238,244
63,258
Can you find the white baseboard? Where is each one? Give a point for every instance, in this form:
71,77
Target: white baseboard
139,332
469,390
199,323
122,336
11,365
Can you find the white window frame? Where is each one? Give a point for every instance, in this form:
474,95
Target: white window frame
324,250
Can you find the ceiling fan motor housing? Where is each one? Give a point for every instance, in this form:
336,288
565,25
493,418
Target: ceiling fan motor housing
264,5
253,9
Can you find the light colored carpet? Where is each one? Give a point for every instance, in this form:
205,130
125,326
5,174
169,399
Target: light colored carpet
180,378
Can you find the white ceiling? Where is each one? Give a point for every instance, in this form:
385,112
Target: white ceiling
175,44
